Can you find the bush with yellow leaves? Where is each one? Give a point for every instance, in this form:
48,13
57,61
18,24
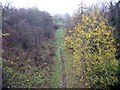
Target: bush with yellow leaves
92,45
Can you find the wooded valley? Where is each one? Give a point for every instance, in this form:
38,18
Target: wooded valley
41,50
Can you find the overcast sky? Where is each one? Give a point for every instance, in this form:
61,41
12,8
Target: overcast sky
52,6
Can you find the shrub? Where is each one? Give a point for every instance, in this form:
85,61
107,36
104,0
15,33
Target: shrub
92,45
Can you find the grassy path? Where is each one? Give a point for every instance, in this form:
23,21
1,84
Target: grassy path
57,75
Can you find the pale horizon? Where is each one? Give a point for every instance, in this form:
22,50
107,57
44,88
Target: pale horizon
52,6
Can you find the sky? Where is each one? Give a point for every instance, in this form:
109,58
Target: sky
52,6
